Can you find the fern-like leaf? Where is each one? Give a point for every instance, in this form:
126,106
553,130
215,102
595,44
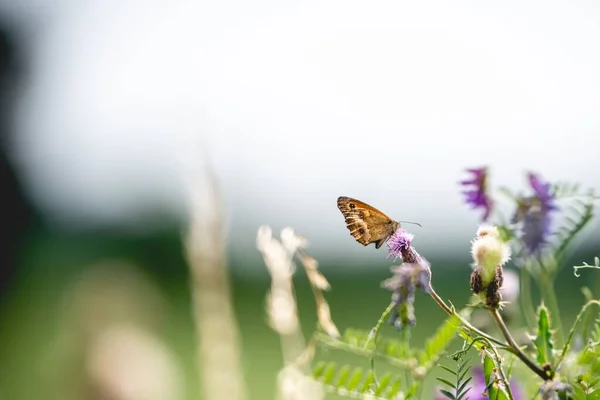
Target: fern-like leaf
457,383
589,359
565,189
439,342
357,383
392,351
583,214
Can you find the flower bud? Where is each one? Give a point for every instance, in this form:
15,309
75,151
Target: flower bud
489,253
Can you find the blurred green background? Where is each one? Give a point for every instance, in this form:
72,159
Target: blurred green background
41,322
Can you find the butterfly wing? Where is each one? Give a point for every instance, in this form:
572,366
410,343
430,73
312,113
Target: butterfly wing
366,223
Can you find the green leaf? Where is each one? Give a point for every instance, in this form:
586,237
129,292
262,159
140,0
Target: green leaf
437,344
506,234
446,382
463,394
329,373
356,378
319,369
495,391
343,375
368,381
543,341
464,384
395,388
447,394
574,227
459,386
384,382
358,385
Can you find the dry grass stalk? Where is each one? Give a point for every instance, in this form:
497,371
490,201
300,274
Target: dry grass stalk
216,328
293,381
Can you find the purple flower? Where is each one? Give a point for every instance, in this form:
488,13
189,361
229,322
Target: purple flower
413,273
477,195
535,213
399,242
478,388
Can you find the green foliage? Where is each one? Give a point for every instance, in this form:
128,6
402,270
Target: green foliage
356,383
392,351
495,387
588,380
439,342
459,381
543,341
395,352
565,189
577,216
388,347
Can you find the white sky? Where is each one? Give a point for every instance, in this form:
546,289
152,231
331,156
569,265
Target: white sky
297,103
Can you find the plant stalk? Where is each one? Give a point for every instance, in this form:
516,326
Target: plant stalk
518,352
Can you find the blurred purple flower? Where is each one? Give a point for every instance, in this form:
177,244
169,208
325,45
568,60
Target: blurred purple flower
478,387
535,213
476,196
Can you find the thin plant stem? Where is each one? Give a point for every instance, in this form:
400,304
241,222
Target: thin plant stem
452,312
464,350
518,352
572,331
526,302
375,334
502,374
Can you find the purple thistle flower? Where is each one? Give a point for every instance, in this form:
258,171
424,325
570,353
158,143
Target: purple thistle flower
477,196
399,242
535,213
478,388
413,273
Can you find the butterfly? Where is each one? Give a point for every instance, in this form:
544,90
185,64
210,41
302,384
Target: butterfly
366,223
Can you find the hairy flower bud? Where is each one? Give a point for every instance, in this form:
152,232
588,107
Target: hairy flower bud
490,253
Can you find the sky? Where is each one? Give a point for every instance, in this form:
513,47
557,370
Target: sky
296,103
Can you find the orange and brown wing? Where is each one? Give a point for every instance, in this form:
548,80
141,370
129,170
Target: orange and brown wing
366,223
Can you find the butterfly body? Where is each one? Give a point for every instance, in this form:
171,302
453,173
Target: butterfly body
366,223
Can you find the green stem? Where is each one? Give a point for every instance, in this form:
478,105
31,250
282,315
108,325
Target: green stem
466,323
502,374
375,334
489,345
572,332
526,301
518,352
360,351
549,296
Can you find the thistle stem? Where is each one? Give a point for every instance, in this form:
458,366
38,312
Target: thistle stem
518,352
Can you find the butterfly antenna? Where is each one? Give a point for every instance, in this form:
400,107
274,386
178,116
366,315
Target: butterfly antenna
414,223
